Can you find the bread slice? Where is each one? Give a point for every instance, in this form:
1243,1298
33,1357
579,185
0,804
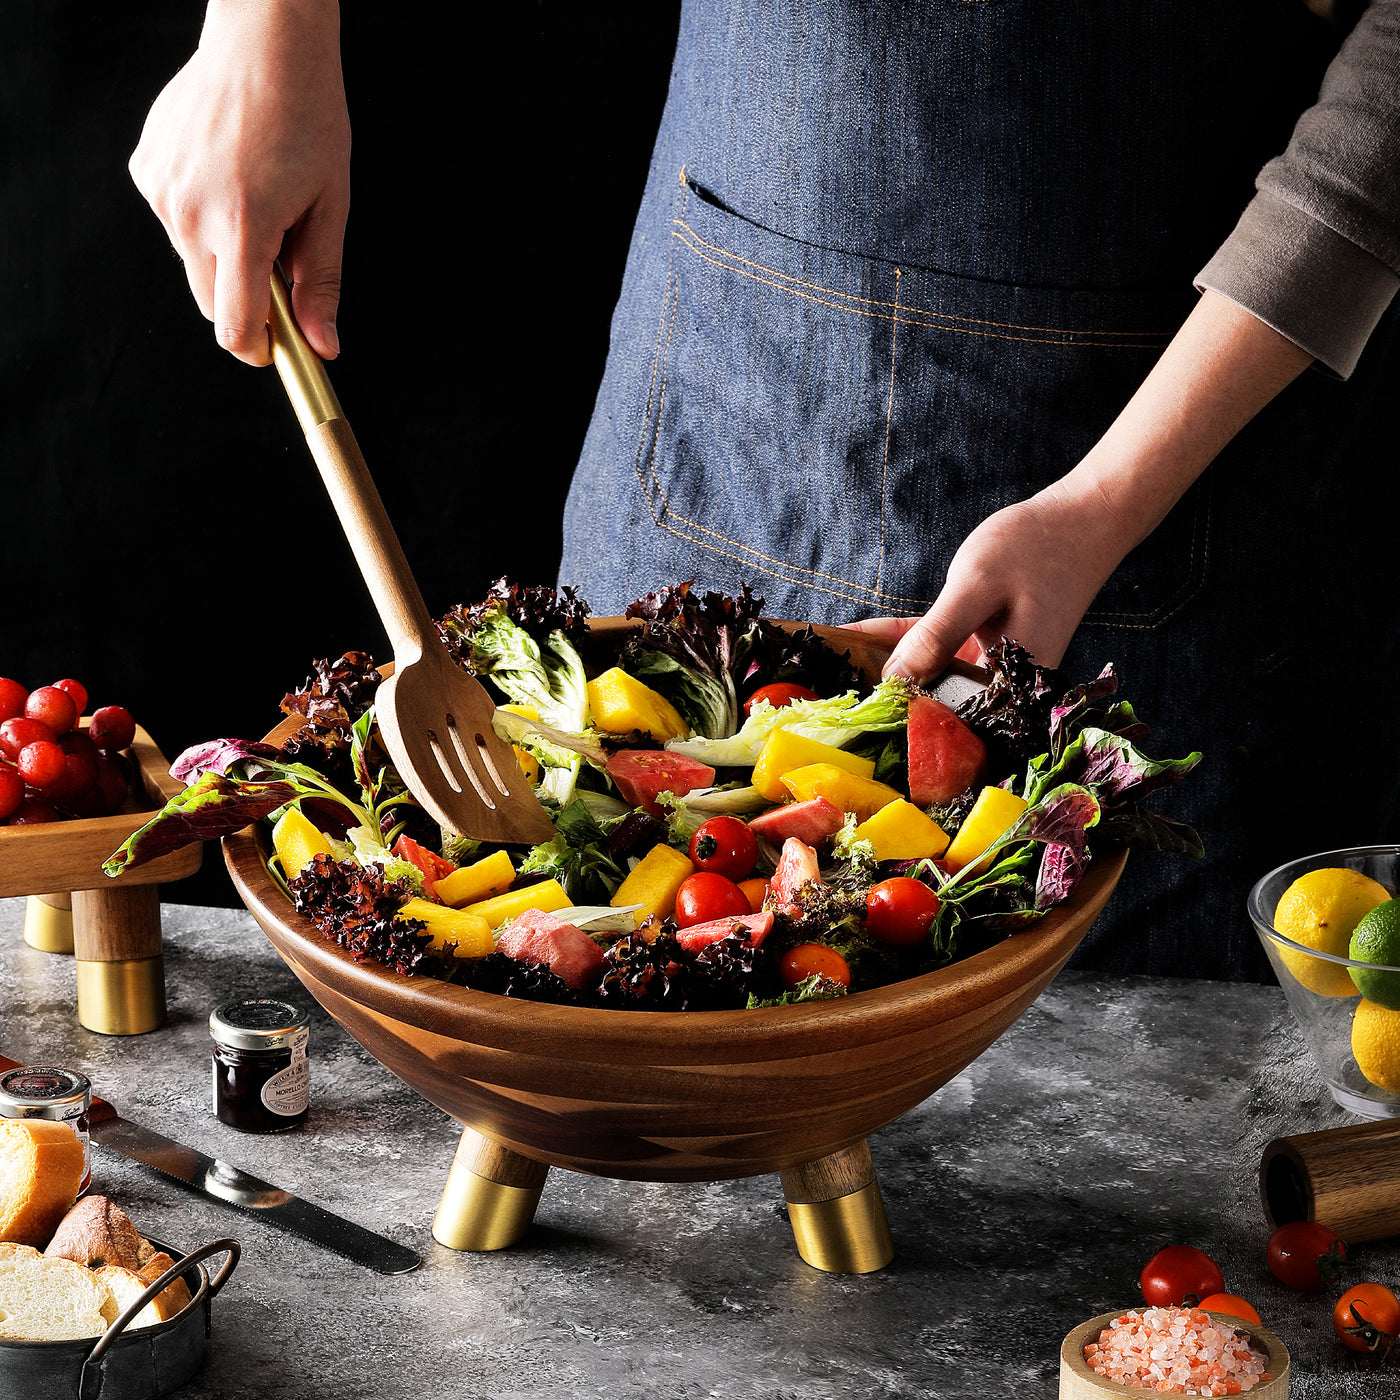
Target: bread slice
125,1287
174,1295
41,1168
48,1300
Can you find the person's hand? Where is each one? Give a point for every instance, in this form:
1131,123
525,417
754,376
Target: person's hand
246,155
1028,572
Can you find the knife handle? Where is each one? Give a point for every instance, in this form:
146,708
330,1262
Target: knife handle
100,1112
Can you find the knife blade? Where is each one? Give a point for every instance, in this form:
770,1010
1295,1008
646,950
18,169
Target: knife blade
230,1185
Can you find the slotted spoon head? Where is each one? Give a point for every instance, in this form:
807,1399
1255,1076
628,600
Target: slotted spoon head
436,724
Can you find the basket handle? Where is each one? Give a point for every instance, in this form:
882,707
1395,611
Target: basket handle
90,1389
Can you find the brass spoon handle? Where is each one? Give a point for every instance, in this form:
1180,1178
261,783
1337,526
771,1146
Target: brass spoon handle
352,490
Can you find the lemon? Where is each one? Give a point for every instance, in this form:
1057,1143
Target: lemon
1376,939
1320,910
1375,1041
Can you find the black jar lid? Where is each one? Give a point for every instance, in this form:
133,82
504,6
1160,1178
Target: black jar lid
259,1025
43,1091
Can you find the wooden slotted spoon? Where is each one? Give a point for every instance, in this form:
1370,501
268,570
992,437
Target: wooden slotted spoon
435,719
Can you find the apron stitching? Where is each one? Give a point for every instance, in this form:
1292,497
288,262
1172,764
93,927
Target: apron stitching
889,414
655,370
1082,338
921,310
795,568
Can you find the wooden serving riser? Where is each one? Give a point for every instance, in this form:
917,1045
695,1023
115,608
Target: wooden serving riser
111,926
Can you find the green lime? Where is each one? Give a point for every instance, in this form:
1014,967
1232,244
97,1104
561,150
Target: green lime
1376,939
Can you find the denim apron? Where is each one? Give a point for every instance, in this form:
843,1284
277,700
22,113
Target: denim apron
898,266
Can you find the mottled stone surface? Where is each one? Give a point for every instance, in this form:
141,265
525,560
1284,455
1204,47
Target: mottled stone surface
1118,1115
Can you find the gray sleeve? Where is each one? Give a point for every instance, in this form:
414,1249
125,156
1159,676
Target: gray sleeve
1316,254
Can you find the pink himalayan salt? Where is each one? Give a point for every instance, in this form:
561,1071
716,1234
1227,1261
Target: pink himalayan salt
1179,1351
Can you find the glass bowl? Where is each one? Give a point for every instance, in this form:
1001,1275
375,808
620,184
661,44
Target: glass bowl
1324,1019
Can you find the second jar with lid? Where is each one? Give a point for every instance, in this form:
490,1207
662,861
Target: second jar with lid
261,1073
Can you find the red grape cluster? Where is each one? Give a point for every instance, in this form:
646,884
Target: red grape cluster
50,767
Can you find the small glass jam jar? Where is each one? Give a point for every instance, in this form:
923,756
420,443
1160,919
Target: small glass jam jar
261,1075
60,1095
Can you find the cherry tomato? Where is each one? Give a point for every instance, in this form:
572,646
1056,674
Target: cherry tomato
799,963
42,764
726,846
1305,1255
755,891
12,698
1367,1318
19,733
76,691
53,707
780,695
899,911
1232,1305
11,790
1180,1275
705,896
112,727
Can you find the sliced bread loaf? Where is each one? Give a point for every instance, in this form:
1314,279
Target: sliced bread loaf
41,1167
48,1300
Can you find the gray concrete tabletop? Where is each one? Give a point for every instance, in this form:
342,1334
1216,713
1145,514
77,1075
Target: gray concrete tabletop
1118,1115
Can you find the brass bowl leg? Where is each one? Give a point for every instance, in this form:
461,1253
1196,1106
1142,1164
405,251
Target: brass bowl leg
48,922
837,1214
117,949
490,1197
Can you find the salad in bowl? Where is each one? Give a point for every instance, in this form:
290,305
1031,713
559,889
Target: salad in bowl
742,819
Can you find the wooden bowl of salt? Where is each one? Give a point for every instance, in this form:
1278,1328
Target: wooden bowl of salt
1078,1381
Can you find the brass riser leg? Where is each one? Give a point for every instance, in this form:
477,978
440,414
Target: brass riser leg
117,951
490,1197
48,923
837,1214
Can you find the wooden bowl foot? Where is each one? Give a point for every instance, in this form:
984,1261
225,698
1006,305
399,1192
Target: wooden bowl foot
117,948
490,1197
837,1214
48,922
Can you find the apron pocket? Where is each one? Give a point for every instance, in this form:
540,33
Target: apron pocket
831,426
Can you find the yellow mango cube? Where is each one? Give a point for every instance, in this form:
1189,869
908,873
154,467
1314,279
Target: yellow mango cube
296,839
902,831
994,811
547,895
475,882
851,792
529,764
471,934
785,751
621,703
653,883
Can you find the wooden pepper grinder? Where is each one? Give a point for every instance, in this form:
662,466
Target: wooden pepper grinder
1345,1178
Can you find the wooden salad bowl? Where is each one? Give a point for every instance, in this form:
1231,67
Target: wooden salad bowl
673,1096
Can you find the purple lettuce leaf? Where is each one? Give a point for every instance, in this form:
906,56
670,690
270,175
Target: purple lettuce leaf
1063,717
213,806
1137,827
1116,771
218,756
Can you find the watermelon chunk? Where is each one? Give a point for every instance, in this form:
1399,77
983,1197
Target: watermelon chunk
945,756
697,936
642,775
541,938
797,866
810,821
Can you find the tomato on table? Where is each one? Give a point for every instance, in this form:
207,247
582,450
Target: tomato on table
780,695
1367,1318
899,911
725,846
1305,1255
1232,1305
801,962
705,897
1180,1276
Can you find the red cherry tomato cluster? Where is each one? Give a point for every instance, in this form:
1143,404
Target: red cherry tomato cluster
50,766
724,852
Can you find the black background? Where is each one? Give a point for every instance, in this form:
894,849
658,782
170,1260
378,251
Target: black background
164,534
